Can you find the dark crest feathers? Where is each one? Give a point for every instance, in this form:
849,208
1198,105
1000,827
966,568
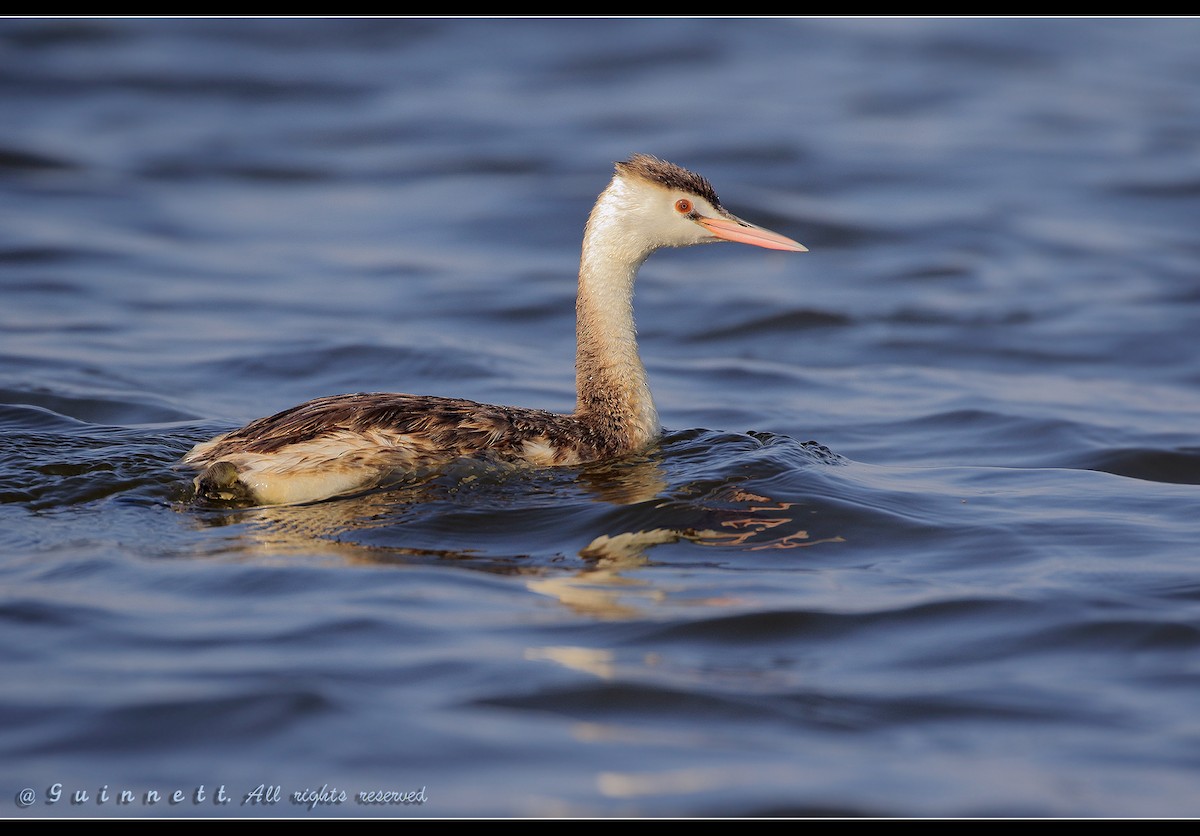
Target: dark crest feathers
668,175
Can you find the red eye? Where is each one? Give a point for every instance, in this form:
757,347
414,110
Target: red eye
683,206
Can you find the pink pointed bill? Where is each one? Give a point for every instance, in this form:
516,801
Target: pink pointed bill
744,233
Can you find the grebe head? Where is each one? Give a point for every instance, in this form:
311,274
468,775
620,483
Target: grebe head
651,203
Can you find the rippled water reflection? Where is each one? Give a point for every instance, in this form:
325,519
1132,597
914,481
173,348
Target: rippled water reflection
920,539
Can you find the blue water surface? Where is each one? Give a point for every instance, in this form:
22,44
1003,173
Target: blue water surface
919,540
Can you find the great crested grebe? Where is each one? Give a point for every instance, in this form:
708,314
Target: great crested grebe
347,443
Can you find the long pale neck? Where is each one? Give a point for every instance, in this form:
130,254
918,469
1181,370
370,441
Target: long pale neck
612,393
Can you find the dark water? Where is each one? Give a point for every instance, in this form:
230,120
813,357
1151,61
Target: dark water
978,592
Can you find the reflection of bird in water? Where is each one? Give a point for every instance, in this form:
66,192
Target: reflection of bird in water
346,443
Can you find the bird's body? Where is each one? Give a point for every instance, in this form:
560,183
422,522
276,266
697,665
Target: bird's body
337,445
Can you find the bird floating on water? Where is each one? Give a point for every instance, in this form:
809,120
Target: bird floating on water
348,443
